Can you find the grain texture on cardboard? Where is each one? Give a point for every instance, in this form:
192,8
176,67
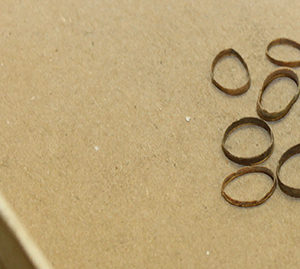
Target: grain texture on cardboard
122,76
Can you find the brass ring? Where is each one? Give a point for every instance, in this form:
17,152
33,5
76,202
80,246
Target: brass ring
283,41
236,91
248,160
273,116
286,189
243,171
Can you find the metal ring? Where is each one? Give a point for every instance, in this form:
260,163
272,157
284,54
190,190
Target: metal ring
243,171
273,116
236,91
294,192
249,160
283,41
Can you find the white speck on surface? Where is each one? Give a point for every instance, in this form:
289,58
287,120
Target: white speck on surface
2,64
207,252
96,148
32,98
188,118
63,19
7,121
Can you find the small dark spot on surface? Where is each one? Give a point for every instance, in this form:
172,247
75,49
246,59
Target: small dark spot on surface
116,167
93,43
135,106
160,62
174,164
9,33
77,197
56,50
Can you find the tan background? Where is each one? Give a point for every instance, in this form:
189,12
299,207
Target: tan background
97,157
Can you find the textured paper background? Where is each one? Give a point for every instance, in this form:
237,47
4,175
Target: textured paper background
96,155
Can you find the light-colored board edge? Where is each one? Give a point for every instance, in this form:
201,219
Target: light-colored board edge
17,249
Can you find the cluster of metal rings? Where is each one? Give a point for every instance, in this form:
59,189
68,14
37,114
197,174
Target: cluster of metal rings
250,162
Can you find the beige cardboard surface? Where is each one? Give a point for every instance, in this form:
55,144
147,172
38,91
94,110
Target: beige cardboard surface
97,158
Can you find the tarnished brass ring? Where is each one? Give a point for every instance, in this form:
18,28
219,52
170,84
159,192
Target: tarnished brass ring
243,171
248,160
273,116
288,154
236,91
283,41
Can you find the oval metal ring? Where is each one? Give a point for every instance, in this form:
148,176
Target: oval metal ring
283,41
248,160
273,116
243,171
237,91
294,192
